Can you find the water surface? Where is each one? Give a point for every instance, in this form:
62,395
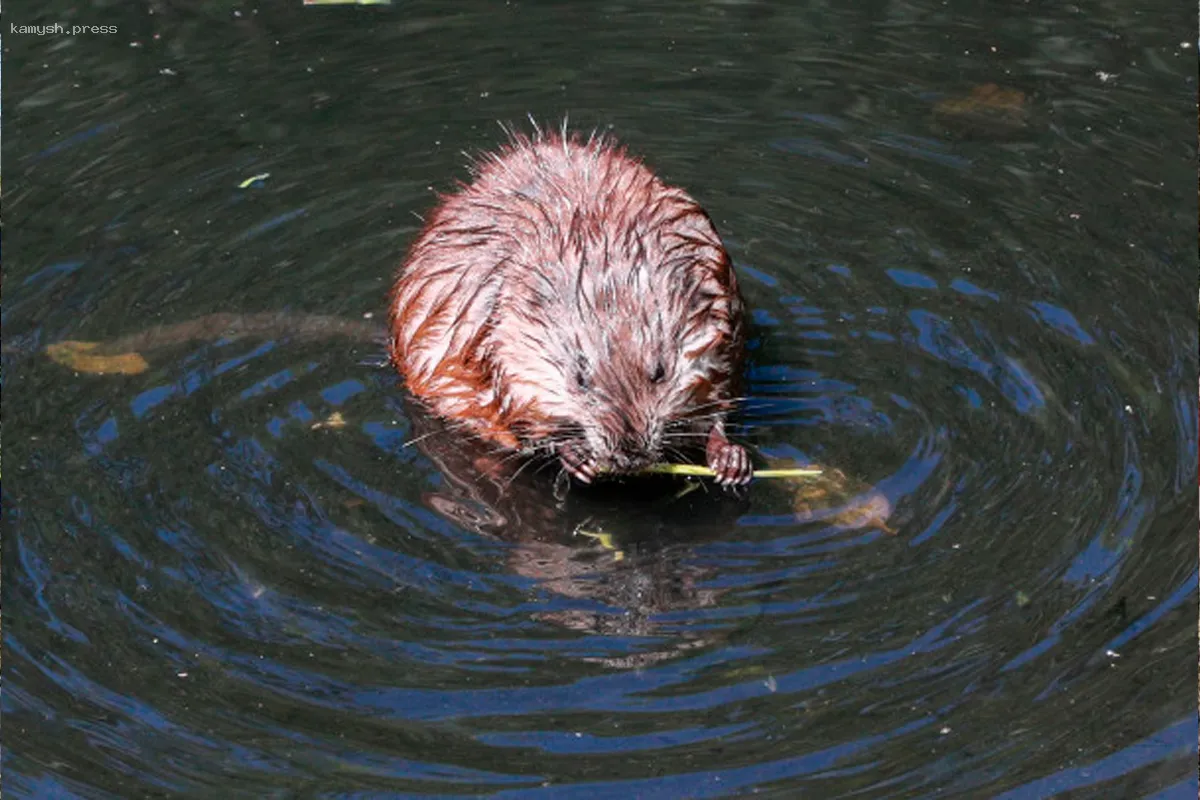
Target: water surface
225,575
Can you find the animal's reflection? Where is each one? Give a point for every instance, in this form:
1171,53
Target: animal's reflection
624,544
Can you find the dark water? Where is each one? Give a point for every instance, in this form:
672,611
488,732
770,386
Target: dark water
989,317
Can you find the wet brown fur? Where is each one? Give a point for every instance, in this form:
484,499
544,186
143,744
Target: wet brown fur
563,260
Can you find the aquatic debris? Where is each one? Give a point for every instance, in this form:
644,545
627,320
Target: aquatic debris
605,540
79,357
988,110
687,489
842,501
334,421
262,176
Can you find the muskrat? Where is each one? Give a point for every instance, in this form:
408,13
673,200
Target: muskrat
566,301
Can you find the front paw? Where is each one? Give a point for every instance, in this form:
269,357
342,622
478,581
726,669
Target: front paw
578,462
731,463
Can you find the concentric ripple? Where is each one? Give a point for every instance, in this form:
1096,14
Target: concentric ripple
242,566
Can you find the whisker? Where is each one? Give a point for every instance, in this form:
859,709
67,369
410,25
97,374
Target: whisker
725,402
676,454
508,483
423,437
546,463
509,458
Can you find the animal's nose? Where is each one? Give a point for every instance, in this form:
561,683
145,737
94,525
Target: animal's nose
631,452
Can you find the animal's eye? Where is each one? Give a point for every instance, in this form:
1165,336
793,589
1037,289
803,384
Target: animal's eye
581,380
659,372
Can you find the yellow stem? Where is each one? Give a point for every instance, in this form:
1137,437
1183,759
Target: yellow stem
706,472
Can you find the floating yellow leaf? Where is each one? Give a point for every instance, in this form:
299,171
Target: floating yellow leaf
335,421
79,357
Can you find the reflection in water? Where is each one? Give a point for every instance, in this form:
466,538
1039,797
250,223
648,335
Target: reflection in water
625,546
969,262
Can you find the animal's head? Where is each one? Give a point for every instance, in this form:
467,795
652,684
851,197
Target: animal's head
628,350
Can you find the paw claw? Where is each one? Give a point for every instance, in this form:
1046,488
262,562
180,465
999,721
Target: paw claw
580,467
731,463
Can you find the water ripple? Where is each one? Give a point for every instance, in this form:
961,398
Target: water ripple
253,569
